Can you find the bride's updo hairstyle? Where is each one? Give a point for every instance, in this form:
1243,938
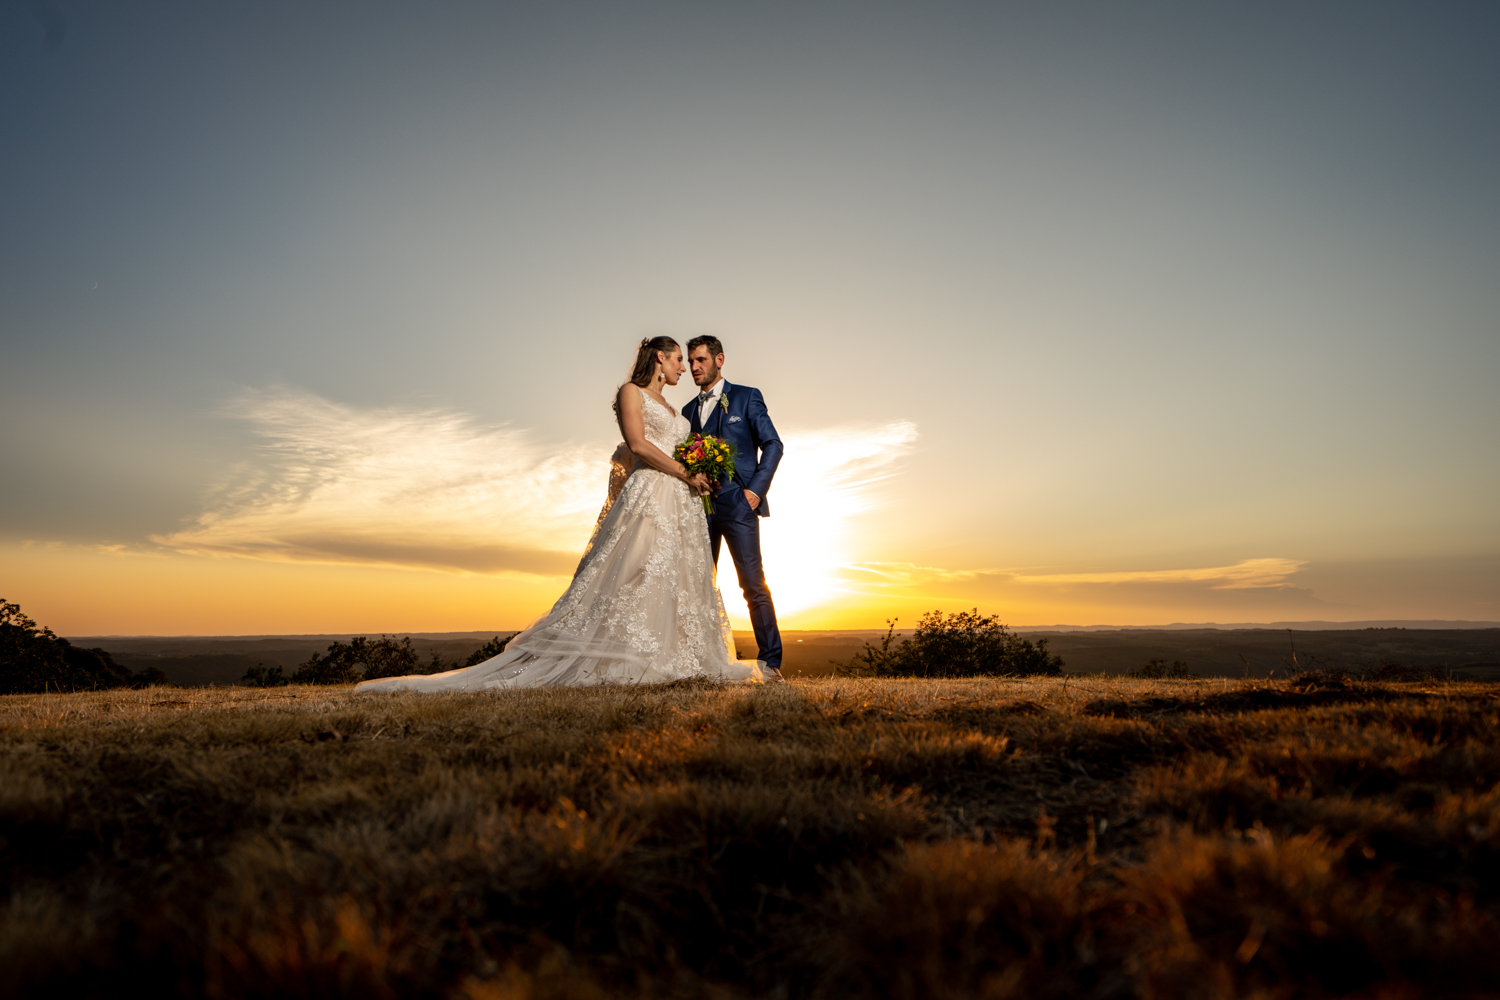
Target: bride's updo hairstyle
645,358
645,362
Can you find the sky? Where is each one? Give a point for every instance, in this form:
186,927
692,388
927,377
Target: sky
1084,313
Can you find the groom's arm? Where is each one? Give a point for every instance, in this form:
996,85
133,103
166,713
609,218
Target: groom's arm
767,441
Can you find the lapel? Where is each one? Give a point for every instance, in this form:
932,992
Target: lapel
716,417
693,409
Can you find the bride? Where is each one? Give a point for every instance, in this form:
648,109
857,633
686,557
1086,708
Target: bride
642,607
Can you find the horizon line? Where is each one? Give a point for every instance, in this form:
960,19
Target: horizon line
1309,625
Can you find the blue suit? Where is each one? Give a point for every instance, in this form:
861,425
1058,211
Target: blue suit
746,425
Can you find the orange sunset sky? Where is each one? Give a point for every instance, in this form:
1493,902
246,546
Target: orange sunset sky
1078,314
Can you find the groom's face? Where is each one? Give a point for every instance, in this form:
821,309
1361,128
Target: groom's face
705,366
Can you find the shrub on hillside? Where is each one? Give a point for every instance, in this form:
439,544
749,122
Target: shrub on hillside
363,659
146,676
34,659
30,654
1157,669
262,676
359,659
491,649
961,644
1406,672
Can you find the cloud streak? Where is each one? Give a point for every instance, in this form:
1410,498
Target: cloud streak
840,466
1248,574
431,488
397,486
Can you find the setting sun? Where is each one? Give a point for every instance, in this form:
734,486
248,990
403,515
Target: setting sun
825,481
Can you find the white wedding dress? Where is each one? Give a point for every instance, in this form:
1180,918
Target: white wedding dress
642,607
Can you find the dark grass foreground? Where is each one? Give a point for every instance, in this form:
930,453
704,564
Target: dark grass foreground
842,838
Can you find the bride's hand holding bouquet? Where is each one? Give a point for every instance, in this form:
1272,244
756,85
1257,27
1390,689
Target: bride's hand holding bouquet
710,457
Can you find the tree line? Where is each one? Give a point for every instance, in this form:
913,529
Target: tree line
363,659
960,644
34,659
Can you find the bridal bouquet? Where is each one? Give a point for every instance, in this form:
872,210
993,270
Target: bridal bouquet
709,455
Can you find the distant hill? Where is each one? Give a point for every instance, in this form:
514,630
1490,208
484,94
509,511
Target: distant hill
197,661
1471,648
1208,652
1311,626
1258,652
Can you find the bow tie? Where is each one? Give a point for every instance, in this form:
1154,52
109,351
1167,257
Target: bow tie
704,397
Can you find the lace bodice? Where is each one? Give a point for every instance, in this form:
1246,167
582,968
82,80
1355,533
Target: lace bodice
664,428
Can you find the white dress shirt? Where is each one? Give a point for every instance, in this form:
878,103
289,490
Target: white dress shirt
706,407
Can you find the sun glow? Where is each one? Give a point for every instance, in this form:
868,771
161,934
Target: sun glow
363,510
414,489
826,478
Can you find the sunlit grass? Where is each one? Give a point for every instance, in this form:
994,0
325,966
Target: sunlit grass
1034,837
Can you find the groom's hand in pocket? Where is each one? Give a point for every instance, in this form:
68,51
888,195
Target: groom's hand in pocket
752,500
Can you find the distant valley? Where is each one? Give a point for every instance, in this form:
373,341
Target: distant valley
1473,652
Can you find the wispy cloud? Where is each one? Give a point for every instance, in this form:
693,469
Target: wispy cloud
433,488
888,575
398,486
1248,574
840,466
1245,575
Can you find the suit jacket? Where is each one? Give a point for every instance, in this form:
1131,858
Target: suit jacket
747,427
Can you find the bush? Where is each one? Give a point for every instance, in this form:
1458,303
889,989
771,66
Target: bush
1157,669
1406,672
262,676
491,649
361,659
146,676
34,659
961,644
30,654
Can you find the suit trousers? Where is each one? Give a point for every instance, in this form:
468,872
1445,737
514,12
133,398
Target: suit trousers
739,527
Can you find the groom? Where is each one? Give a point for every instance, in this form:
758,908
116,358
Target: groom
738,414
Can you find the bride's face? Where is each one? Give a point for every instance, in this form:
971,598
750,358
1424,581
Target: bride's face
671,365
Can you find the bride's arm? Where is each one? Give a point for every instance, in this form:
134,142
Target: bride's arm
633,426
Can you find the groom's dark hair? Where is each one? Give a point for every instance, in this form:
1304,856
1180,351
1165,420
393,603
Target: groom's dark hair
712,343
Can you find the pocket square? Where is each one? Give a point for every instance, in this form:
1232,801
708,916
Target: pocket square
734,420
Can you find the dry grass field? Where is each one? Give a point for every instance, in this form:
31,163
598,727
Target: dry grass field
825,838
